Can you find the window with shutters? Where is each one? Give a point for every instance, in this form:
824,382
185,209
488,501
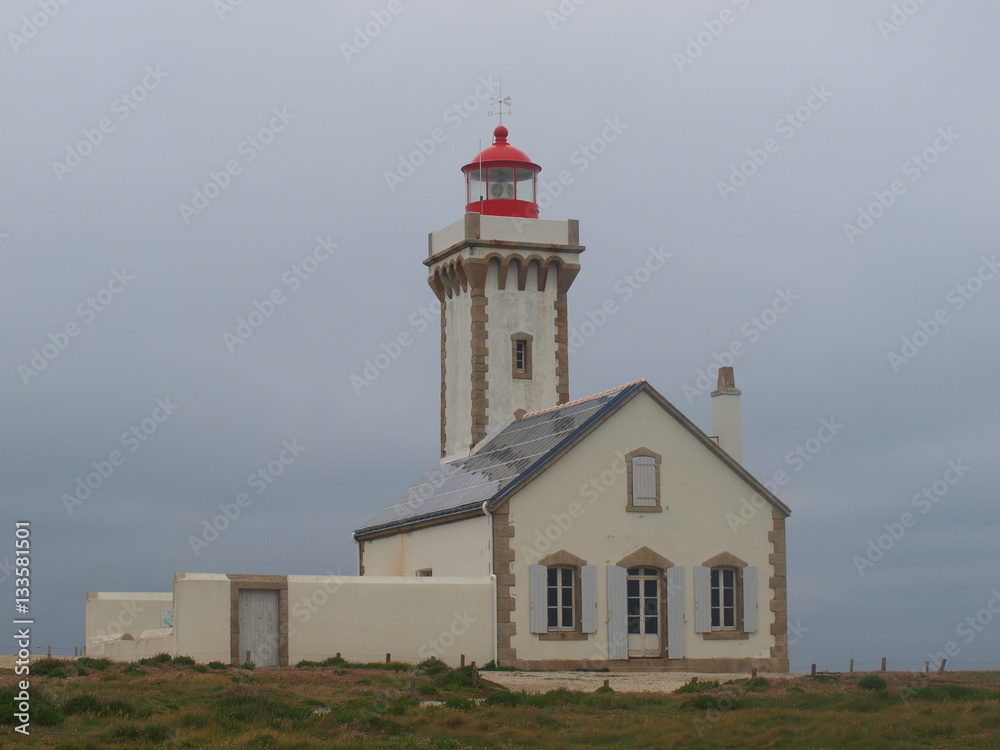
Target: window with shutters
563,597
643,471
725,598
560,606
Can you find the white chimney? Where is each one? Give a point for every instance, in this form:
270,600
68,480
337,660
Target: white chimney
726,423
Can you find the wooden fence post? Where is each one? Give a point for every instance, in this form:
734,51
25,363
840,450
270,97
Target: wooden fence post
852,666
813,672
883,663
943,662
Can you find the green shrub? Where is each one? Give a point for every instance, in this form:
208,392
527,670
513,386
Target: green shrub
186,661
133,668
217,665
249,665
434,666
199,668
604,689
712,703
42,711
872,682
90,663
156,661
698,686
45,667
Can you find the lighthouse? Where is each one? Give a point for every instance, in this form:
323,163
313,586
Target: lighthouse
501,275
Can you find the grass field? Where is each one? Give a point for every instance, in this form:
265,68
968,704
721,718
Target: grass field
91,705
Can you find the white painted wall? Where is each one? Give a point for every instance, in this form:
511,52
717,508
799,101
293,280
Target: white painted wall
112,614
515,311
361,617
547,231
452,549
146,644
699,491
727,424
457,318
412,618
202,616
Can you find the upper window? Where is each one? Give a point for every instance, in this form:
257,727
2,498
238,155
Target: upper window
643,472
521,355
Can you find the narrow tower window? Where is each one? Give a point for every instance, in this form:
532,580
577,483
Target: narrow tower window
521,355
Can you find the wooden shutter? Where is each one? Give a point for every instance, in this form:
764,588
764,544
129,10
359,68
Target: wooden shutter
588,598
750,599
702,599
617,625
538,578
644,481
676,644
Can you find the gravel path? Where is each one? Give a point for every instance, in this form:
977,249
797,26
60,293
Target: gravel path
621,682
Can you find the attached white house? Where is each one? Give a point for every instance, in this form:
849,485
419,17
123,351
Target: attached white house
608,531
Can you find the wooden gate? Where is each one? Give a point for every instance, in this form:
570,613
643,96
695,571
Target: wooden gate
259,626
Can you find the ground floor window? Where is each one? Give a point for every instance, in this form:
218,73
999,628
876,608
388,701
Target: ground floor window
561,595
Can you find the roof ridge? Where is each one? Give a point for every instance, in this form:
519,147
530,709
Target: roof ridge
585,398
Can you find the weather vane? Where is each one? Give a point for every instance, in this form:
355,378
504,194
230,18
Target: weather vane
503,101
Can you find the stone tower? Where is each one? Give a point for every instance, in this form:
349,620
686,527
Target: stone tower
501,275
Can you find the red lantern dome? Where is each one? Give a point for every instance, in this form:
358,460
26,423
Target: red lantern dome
502,181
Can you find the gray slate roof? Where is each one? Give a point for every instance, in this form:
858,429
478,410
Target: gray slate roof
501,465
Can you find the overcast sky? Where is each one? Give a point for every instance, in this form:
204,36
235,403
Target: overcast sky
167,166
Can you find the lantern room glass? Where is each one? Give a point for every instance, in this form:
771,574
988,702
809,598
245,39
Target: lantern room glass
476,186
501,183
526,185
